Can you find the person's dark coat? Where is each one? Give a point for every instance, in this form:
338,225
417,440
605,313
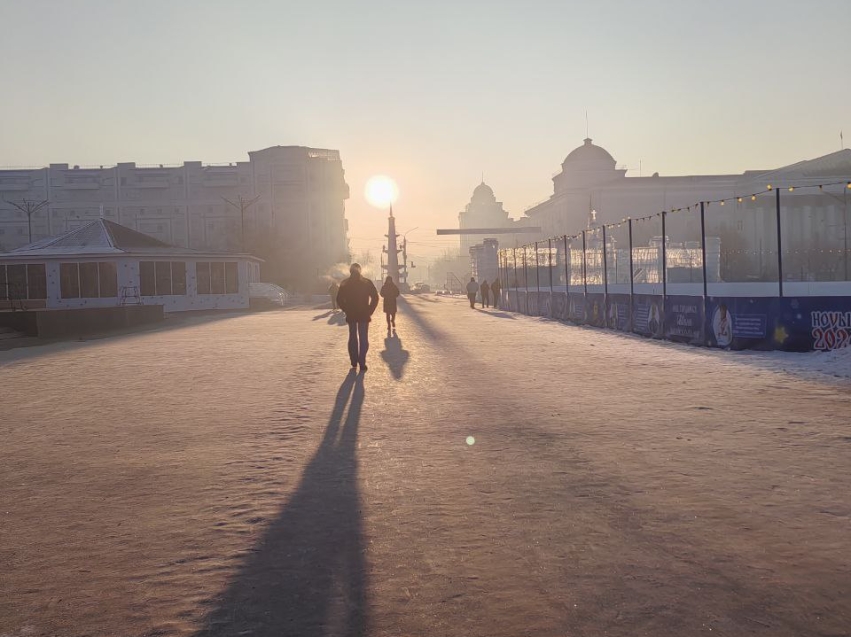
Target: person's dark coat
389,293
358,298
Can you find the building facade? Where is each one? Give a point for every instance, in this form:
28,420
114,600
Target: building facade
287,205
104,264
815,222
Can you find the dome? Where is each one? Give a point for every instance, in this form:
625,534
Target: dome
483,192
589,153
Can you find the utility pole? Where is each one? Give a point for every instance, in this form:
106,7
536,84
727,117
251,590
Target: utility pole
242,206
30,208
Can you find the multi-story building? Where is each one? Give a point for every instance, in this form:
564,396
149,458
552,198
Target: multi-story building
296,224
815,221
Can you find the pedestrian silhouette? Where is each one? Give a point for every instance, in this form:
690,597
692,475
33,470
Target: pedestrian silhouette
358,298
390,293
472,290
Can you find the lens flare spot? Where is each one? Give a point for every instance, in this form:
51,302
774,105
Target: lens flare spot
471,441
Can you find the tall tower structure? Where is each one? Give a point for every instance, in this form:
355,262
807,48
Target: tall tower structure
392,267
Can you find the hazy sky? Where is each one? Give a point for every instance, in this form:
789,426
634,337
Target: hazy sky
432,93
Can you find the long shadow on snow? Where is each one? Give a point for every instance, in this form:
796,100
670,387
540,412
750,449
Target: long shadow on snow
395,356
411,312
306,576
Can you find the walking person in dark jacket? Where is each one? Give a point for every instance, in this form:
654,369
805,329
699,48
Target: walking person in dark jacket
390,293
486,291
496,288
358,298
472,289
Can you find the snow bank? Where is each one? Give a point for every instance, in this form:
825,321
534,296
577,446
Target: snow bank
835,363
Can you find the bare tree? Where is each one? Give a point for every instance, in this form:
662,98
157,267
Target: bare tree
242,206
30,208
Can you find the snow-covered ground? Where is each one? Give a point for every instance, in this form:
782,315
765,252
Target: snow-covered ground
836,363
491,475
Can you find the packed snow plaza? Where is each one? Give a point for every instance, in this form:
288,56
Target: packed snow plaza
492,474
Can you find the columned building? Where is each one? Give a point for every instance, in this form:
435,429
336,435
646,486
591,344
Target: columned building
815,222
286,205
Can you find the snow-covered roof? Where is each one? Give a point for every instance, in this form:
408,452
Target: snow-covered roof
836,164
103,238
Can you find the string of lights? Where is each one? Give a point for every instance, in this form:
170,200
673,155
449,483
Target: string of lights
846,184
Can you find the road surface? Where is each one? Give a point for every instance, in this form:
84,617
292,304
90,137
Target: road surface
491,475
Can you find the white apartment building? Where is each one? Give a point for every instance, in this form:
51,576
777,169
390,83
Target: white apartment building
297,223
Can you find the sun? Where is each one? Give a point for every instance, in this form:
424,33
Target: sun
381,191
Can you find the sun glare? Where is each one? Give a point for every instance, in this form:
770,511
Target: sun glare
381,191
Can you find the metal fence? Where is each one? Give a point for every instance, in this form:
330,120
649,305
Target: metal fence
674,273
778,237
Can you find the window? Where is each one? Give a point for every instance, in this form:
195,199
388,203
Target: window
202,276
36,281
16,281
178,278
162,278
108,276
147,279
217,277
88,280
231,277
69,281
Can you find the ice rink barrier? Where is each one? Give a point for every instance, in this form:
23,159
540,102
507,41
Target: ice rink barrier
789,323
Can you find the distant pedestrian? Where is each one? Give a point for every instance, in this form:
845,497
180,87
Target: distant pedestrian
333,290
358,298
472,291
390,293
496,288
486,293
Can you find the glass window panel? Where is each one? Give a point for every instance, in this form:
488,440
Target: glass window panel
203,277
147,279
217,277
163,269
231,277
69,282
36,281
178,278
17,281
108,279
89,280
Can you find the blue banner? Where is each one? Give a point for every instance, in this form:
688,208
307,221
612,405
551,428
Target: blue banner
647,315
764,323
595,309
560,306
618,312
684,321
739,322
534,301
576,308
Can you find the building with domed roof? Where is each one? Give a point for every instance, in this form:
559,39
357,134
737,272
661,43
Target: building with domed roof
813,220
483,211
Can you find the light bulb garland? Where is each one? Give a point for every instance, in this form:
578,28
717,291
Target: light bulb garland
720,202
